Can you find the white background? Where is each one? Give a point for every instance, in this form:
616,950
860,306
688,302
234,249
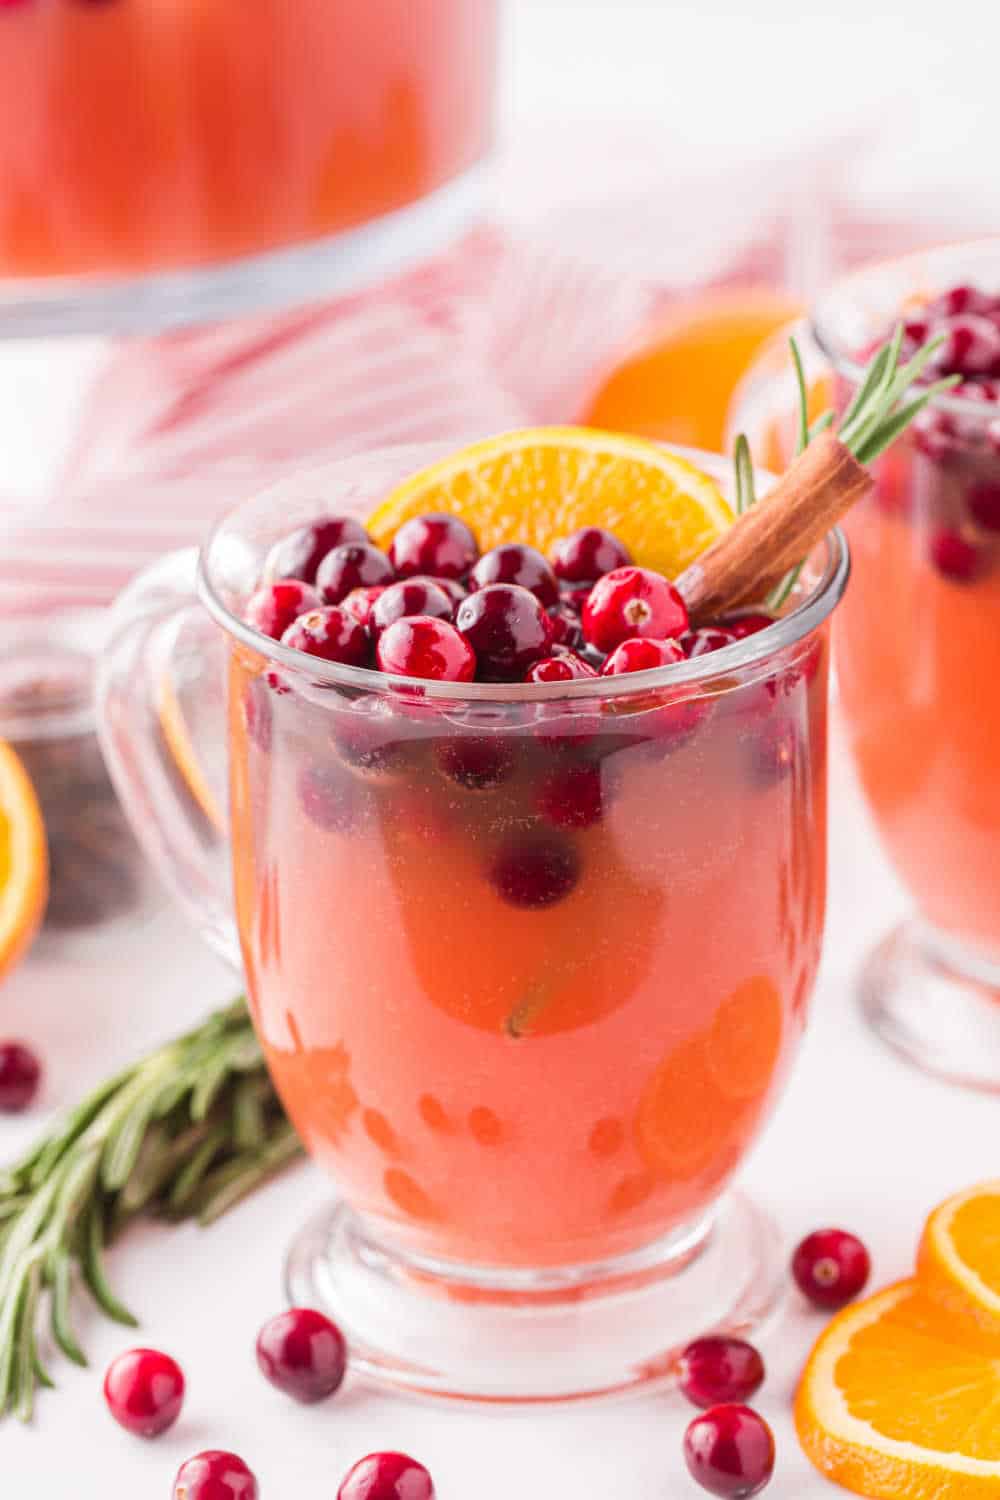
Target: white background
858,1140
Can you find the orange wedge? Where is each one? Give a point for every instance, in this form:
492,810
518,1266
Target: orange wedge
543,483
24,876
900,1401
959,1257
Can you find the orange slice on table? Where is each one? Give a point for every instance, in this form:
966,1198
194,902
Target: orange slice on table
24,874
900,1401
959,1257
541,484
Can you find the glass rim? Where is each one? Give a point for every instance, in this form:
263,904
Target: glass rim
788,629
822,317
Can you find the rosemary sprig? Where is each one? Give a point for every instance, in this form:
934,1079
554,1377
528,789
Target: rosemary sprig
875,418
186,1132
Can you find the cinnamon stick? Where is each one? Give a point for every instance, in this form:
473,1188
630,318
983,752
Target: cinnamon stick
776,533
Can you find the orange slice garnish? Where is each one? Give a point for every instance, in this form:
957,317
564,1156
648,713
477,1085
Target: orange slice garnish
24,873
541,484
900,1401
180,745
959,1258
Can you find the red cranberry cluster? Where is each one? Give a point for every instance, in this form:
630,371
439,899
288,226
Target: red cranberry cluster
433,607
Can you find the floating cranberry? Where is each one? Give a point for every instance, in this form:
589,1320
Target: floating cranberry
507,628
479,762
719,1368
330,634
831,1267
588,554
328,798
729,1450
300,554
642,656
953,555
566,667
984,505
439,545
572,797
632,602
273,608
302,1353
746,622
535,872
513,562
20,1076
387,1476
421,646
709,638
355,565
971,346
144,1390
957,300
215,1475
411,597
359,603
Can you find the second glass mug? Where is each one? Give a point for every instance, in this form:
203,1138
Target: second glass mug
528,963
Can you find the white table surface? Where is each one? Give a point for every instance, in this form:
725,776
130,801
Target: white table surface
859,1140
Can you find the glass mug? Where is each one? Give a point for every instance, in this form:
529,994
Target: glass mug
529,963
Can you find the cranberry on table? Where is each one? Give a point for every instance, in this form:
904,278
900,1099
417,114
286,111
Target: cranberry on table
440,545
144,1390
354,565
215,1475
421,646
633,602
640,655
954,555
831,1267
729,1450
387,1476
20,1076
331,634
512,562
567,667
507,627
719,1368
302,1353
535,872
273,608
359,603
410,597
300,554
588,554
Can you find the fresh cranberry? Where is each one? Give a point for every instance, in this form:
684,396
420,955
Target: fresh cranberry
729,1450
300,554
971,346
20,1076
535,872
567,667
916,332
954,556
359,603
478,762
709,638
144,1390
572,797
273,608
588,554
355,565
387,1476
411,597
303,1354
934,434
567,630
957,300
719,1368
513,562
984,505
440,545
215,1475
456,591
831,1267
421,646
633,602
328,798
330,634
507,628
746,622
642,656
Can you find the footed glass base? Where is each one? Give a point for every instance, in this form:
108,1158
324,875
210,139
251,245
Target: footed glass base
475,1333
936,1004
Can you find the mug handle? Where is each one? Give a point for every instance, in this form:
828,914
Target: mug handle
161,699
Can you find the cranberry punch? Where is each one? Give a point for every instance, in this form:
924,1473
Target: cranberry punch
529,876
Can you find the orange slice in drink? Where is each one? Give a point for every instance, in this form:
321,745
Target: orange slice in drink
181,748
959,1258
541,484
23,859
899,1401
